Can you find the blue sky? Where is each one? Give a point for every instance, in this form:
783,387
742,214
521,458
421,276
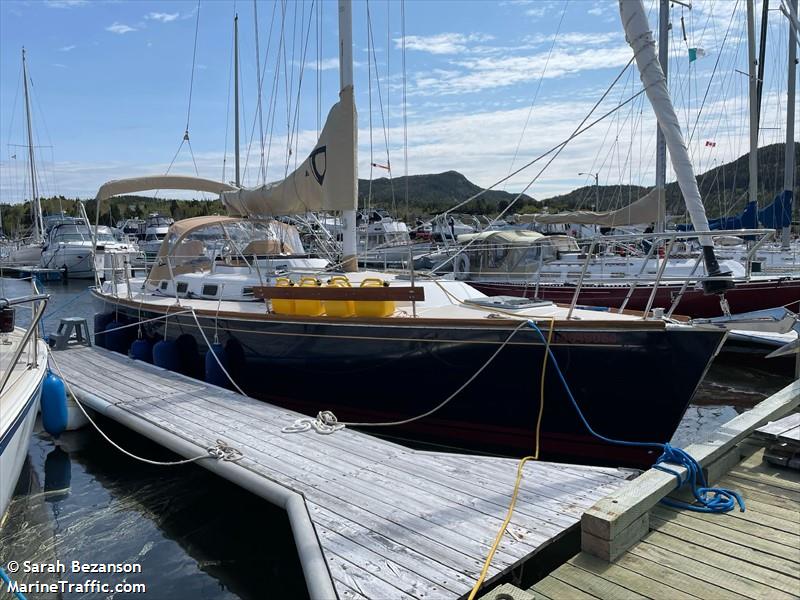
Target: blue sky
488,85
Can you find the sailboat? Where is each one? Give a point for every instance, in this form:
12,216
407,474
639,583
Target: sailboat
30,250
432,361
621,275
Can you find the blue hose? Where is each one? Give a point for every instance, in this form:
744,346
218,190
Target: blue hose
712,500
4,576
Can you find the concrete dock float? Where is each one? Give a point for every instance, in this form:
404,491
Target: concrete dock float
634,547
371,518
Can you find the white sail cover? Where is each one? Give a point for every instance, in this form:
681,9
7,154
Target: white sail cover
325,181
640,38
160,182
644,210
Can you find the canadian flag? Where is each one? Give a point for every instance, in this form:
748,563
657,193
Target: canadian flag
710,143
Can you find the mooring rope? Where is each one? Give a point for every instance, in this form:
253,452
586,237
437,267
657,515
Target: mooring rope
220,450
326,422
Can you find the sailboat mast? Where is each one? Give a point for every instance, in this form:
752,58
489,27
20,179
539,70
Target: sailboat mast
762,52
236,97
661,143
791,89
640,38
349,240
753,73
38,226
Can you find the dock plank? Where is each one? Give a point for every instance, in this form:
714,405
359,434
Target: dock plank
629,578
778,582
753,555
675,578
724,533
391,521
593,584
550,587
710,574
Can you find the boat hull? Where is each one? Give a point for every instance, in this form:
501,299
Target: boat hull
14,447
745,296
375,372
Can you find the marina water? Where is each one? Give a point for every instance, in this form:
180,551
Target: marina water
194,534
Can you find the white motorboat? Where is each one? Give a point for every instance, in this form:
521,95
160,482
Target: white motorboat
23,367
69,247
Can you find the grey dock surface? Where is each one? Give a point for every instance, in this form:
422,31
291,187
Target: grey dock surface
678,553
389,522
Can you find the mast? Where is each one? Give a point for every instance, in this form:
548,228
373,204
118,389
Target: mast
762,53
36,208
236,96
791,88
640,38
753,73
349,240
661,144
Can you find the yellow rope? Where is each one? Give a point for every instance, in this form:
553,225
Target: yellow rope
520,466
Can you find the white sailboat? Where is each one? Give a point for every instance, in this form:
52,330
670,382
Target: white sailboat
397,346
23,366
29,250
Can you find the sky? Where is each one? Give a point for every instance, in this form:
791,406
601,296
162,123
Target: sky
478,87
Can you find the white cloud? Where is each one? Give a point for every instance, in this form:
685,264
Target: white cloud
492,72
65,3
120,28
326,64
442,43
60,66
67,48
163,17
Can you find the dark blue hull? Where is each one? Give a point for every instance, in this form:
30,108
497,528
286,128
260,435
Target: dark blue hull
632,381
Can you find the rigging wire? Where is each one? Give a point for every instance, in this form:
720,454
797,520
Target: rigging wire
538,86
228,106
405,100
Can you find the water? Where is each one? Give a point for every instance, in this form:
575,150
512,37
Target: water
195,535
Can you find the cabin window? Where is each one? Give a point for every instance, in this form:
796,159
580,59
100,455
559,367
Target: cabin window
164,284
210,289
182,287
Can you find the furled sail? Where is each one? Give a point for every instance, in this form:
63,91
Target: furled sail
324,181
643,210
640,38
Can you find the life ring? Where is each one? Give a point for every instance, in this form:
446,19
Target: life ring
461,268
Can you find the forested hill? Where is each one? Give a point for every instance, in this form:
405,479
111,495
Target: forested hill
724,189
430,194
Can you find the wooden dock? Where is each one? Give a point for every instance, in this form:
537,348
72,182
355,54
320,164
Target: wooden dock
390,522
683,554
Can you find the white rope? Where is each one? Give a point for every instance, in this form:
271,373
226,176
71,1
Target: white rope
220,451
326,422
138,323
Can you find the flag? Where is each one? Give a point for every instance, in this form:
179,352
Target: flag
381,166
711,144
695,53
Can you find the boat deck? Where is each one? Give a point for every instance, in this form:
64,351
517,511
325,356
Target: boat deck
390,522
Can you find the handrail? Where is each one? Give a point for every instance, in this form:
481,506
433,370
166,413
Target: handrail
646,261
682,291
580,281
42,299
660,273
